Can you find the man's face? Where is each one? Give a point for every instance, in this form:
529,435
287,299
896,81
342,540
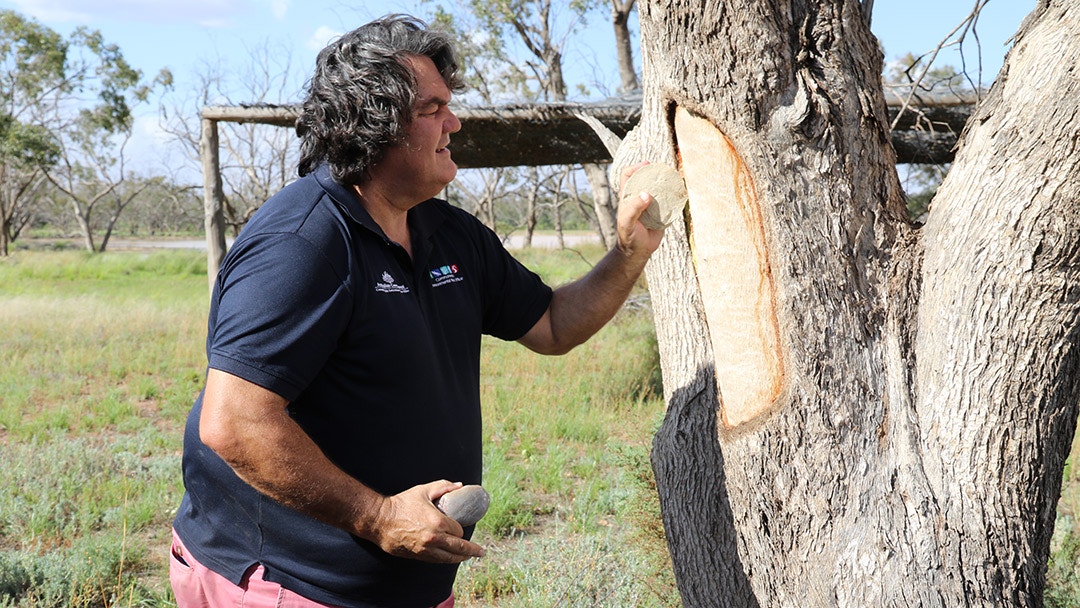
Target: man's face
421,166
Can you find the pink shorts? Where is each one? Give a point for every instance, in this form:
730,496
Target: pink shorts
196,586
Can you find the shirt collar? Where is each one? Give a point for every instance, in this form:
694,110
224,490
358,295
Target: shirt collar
424,218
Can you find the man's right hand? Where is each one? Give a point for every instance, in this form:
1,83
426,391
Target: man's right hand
250,428
409,525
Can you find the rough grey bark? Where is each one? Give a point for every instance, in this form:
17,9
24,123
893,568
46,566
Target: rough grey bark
858,413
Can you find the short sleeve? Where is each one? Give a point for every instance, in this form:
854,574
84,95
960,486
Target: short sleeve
280,307
514,297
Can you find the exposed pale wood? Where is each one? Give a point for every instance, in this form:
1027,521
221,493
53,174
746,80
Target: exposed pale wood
732,263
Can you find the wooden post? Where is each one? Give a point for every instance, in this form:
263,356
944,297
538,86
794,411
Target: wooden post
213,199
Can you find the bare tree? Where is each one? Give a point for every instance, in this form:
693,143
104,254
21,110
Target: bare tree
257,160
164,207
91,135
484,191
860,412
90,173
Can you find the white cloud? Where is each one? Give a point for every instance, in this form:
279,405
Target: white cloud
202,12
45,10
279,8
322,36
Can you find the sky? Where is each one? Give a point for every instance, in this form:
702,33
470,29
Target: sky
185,35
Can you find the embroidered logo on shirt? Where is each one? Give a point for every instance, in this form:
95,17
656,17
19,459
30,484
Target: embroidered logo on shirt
444,275
389,286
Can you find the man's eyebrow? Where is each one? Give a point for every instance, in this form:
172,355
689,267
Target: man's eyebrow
435,100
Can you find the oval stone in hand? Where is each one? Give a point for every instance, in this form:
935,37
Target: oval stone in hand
667,188
466,504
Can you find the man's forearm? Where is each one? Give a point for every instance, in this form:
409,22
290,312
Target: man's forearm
578,310
271,453
249,427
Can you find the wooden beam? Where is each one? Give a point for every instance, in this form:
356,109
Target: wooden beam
925,128
277,115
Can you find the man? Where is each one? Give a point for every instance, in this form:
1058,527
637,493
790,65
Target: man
342,396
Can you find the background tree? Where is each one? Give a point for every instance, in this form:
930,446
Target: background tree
605,204
859,412
624,45
257,160
67,115
165,207
491,77
24,150
32,66
536,26
91,168
526,39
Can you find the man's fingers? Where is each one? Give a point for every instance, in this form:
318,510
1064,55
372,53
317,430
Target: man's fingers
462,549
446,550
414,527
637,203
627,172
436,489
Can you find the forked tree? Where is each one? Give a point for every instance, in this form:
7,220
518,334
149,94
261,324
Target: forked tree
860,412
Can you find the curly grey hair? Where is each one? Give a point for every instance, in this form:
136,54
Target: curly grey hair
360,98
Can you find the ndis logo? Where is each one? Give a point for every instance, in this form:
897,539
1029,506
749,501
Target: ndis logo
444,275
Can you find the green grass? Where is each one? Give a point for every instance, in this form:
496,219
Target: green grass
1063,571
99,361
102,355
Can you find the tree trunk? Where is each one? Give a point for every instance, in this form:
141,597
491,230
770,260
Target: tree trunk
604,204
121,203
624,49
83,219
530,206
858,413
5,244
556,207
556,216
8,205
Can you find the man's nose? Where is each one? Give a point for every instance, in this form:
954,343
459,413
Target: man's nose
452,124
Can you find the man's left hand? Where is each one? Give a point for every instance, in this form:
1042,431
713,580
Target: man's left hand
634,238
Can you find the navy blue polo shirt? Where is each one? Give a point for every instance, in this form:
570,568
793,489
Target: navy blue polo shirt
379,357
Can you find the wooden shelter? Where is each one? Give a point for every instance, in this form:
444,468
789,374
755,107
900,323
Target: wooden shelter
925,130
